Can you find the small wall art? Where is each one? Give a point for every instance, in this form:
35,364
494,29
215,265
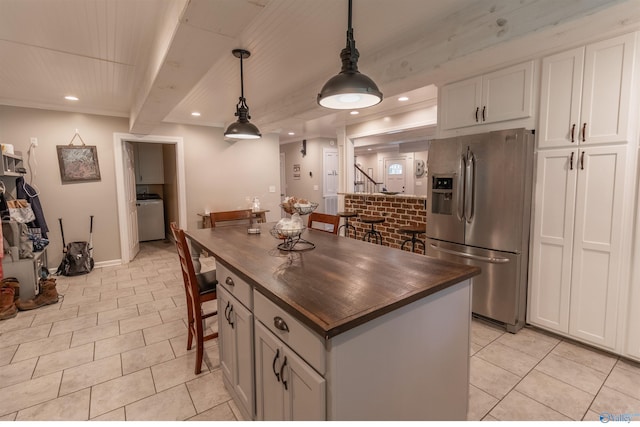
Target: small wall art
78,163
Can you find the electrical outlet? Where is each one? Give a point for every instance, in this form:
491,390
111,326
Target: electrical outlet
34,141
272,189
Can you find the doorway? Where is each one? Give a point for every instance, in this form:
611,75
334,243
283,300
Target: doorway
128,229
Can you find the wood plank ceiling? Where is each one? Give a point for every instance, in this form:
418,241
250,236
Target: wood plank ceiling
156,61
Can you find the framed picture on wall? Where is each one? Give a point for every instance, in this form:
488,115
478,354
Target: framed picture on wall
78,164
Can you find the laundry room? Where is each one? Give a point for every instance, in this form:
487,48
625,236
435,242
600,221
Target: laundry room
156,198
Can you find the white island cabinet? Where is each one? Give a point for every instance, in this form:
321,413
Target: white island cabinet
384,336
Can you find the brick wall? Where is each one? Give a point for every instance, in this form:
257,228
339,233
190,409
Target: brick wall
397,210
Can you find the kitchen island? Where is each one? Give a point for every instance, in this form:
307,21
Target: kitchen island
346,331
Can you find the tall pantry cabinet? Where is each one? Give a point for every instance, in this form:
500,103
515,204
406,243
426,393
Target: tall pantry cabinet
579,265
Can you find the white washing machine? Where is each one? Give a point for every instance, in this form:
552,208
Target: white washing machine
150,219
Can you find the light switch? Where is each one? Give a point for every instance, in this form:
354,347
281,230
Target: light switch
418,182
272,189
315,188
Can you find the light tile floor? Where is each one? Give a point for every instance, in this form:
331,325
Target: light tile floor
115,349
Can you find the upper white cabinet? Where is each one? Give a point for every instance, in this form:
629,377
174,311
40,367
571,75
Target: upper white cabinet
499,96
585,94
149,163
577,242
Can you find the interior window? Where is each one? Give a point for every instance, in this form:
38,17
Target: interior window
395,169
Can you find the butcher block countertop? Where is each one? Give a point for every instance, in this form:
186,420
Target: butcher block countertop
338,285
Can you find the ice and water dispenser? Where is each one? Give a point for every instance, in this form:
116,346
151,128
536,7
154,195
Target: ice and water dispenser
442,195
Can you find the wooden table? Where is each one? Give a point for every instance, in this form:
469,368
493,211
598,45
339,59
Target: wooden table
392,327
260,215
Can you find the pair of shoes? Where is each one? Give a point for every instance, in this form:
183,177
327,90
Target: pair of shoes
48,295
7,304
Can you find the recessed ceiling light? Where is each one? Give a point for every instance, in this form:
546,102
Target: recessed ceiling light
353,113
291,133
403,98
71,98
196,114
369,149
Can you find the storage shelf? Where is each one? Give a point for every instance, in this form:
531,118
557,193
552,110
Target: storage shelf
9,164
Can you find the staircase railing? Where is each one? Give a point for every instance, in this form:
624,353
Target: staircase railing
364,183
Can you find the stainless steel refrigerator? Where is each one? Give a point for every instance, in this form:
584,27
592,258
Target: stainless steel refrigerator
479,213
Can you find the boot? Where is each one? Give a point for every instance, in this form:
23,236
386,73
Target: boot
7,305
48,295
12,282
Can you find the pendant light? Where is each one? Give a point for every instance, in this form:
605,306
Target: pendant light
349,89
242,128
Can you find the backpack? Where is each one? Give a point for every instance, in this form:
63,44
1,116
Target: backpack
76,259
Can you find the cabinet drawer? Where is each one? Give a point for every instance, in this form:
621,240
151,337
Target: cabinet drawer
297,336
234,285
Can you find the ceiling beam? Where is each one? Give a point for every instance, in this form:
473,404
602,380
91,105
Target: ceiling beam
204,30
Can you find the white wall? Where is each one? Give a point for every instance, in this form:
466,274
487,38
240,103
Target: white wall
219,175
310,184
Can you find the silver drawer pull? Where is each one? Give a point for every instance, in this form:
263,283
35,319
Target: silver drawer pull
279,323
229,281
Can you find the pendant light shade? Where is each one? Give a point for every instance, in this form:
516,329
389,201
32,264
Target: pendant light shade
349,89
242,128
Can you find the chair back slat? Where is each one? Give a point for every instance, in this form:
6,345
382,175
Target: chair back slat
238,215
318,221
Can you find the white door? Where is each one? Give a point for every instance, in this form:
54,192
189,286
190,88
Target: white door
555,194
283,176
395,171
130,195
331,180
597,245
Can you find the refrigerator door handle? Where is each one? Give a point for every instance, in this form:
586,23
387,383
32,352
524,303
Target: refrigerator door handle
460,190
469,186
491,260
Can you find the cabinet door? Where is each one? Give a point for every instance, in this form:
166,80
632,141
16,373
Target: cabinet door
597,245
554,204
632,340
507,94
460,104
607,90
226,336
235,341
269,390
150,164
242,320
287,388
560,98
304,391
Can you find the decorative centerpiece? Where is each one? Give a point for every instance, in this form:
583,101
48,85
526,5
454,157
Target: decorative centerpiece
289,230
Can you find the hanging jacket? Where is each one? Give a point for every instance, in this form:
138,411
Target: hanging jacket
27,192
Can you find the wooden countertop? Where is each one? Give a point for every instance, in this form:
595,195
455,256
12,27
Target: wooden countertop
340,284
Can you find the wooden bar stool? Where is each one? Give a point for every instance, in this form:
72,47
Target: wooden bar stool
414,230
346,225
372,232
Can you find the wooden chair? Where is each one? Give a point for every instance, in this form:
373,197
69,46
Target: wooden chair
239,215
318,221
199,288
